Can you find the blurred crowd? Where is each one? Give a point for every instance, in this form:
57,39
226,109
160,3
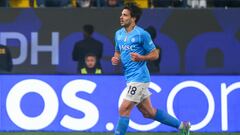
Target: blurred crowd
119,3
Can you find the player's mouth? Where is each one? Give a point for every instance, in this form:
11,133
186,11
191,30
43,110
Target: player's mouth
121,22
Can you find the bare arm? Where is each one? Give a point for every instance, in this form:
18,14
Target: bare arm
117,54
153,55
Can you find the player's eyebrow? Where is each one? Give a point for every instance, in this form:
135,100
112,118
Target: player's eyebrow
124,14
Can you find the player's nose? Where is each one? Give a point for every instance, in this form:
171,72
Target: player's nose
121,17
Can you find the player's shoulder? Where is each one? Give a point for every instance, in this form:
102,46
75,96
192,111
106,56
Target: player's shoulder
140,30
119,31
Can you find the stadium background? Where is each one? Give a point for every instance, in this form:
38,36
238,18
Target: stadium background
185,36
209,36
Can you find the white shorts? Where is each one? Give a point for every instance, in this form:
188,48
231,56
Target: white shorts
137,91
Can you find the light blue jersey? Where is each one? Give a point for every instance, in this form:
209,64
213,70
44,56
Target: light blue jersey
138,41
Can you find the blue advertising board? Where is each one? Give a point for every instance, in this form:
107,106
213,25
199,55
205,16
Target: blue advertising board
90,103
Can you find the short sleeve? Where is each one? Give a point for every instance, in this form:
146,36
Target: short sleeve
148,44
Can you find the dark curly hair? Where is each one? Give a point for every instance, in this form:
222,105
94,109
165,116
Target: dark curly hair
135,11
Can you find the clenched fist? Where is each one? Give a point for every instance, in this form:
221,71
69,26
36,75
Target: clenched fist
115,60
136,57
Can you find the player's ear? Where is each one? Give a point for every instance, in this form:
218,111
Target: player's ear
134,19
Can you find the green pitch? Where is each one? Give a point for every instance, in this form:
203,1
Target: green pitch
86,133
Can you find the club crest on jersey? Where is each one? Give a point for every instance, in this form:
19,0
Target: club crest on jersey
133,40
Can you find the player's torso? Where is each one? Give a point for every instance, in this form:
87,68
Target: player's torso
129,43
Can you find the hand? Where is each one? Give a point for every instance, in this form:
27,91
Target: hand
136,57
115,60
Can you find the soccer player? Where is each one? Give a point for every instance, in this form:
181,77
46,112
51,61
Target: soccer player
133,48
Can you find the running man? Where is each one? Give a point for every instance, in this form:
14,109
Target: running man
133,48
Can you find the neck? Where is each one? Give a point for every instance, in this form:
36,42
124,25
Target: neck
130,27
